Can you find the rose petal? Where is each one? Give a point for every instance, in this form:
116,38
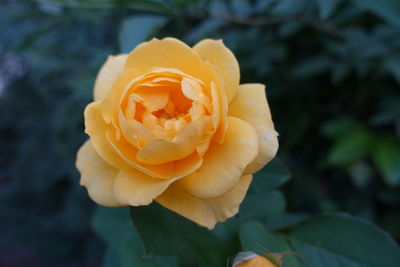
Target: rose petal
112,103
256,261
127,153
224,163
250,104
219,55
96,175
96,127
136,188
220,106
154,98
161,150
167,53
206,212
108,74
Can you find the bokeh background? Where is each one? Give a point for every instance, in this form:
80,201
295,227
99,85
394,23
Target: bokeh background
332,69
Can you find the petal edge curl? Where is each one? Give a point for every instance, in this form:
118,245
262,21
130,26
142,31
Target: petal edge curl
168,53
96,175
108,74
220,56
223,163
250,105
206,212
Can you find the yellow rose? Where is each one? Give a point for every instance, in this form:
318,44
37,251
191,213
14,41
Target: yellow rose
171,123
254,261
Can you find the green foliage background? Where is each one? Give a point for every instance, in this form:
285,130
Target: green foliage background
332,69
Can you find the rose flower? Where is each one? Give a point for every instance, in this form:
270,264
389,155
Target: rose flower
254,260
171,123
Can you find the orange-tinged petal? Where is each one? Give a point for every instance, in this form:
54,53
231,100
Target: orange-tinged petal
224,163
128,130
154,98
219,55
167,53
169,170
96,127
206,212
127,153
108,74
250,105
191,89
162,150
96,175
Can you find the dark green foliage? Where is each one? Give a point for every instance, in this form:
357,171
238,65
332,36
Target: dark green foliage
332,70
348,242
170,228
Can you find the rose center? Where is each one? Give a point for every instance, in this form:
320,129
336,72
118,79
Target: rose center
166,101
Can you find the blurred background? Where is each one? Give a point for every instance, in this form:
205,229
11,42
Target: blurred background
332,70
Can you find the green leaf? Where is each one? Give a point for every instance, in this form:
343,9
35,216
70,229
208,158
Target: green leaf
162,231
136,29
343,240
133,257
350,146
209,250
254,237
129,252
336,127
272,176
111,255
327,7
389,10
262,206
284,220
124,247
129,256
386,156
111,224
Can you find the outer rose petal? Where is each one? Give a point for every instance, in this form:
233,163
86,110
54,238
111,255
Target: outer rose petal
206,212
219,55
136,188
96,175
223,163
168,53
96,128
108,74
250,104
